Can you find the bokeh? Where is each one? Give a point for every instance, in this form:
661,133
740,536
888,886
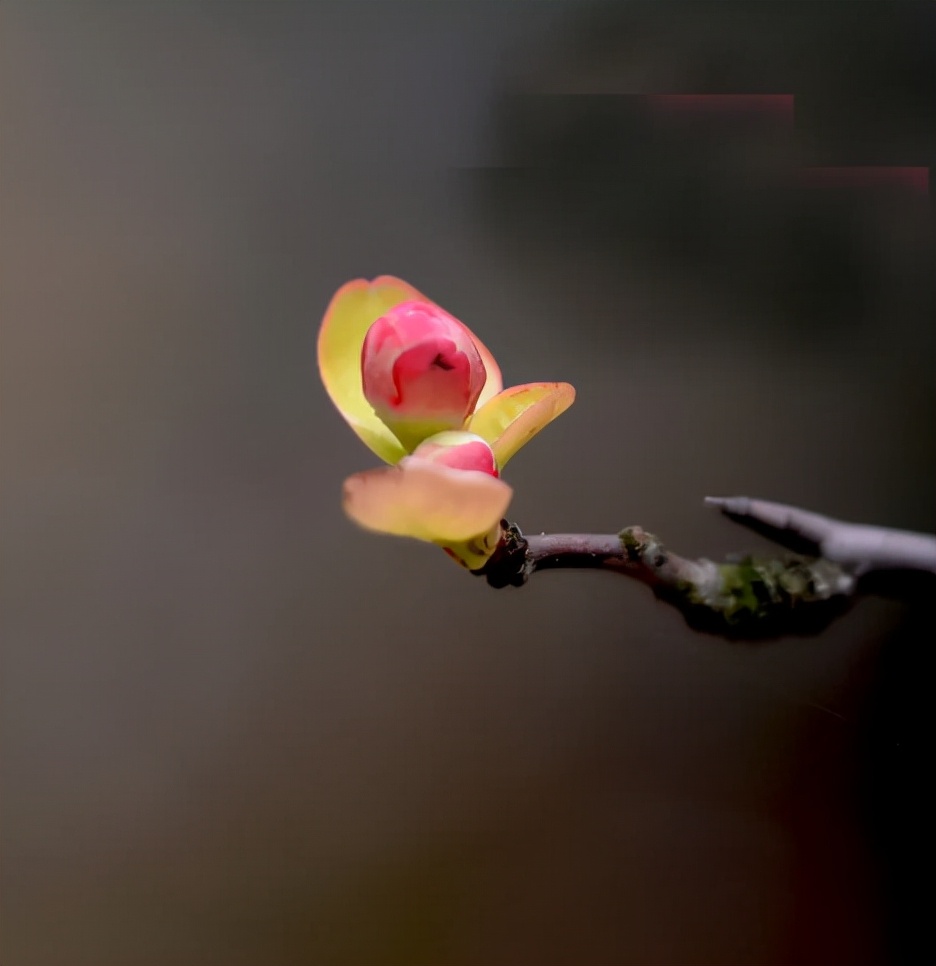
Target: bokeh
238,730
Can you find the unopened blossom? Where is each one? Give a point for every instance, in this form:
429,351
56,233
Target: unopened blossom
421,371
425,394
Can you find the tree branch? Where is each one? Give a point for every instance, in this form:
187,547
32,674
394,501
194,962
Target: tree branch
746,596
858,546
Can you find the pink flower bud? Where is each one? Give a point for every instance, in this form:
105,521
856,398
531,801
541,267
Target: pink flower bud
458,450
421,371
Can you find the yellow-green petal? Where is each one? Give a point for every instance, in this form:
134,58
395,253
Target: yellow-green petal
426,501
351,312
513,417
474,554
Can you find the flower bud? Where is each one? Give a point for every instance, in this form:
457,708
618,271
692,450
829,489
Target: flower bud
421,372
459,450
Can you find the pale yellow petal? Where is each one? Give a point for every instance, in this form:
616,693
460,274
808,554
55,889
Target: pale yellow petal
351,312
426,501
513,417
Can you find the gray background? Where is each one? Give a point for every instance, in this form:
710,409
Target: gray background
237,730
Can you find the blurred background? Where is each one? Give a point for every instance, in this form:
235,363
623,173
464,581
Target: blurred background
236,729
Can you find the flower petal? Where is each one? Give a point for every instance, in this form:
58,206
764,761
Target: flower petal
427,501
473,554
513,417
351,312
460,450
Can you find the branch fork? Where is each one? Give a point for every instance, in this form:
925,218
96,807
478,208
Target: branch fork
745,596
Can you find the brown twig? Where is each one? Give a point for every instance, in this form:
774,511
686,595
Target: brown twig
744,596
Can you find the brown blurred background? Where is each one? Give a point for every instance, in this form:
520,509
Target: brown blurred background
238,731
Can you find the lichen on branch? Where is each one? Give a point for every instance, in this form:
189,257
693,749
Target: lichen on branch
744,596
